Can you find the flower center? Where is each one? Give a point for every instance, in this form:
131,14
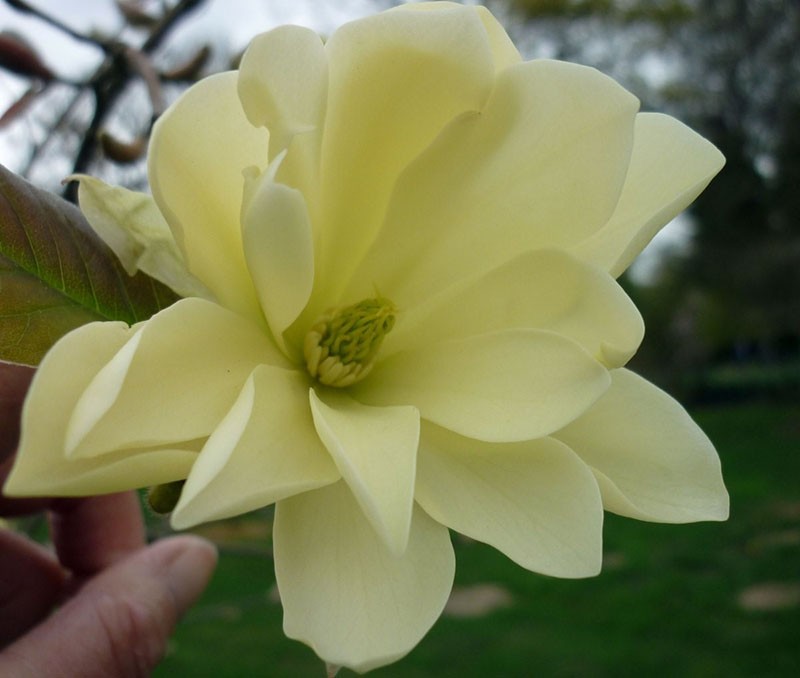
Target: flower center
341,347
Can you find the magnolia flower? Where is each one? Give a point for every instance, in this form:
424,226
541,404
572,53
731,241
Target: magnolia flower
397,251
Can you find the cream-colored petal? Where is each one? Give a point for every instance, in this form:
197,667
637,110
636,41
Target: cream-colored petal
264,450
173,380
283,83
535,501
541,165
279,249
670,166
500,387
375,449
545,289
343,592
197,153
131,225
396,79
503,50
41,467
652,461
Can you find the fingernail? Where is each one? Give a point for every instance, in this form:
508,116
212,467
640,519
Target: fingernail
189,570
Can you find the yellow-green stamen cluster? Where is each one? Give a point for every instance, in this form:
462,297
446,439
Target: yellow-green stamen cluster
340,349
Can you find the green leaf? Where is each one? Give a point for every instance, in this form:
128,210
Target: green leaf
56,274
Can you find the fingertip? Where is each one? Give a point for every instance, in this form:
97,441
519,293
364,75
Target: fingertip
119,622
188,562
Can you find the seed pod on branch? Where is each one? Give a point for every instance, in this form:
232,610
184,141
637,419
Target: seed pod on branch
135,15
17,56
123,152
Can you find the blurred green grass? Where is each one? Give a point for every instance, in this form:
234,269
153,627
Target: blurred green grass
666,604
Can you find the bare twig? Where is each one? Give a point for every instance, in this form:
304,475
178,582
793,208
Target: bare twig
122,63
22,6
39,148
142,64
110,79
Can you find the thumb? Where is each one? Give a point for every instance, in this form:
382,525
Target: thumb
118,624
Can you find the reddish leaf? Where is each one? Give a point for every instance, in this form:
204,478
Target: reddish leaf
56,274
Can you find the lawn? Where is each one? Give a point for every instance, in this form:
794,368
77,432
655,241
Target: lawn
707,600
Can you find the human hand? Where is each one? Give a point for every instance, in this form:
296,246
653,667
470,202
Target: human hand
105,604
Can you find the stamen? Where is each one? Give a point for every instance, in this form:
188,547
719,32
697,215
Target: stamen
341,347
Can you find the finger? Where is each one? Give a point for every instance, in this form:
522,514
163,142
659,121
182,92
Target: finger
31,583
14,382
93,533
119,623
17,507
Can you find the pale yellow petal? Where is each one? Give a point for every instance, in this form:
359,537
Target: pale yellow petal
41,467
500,387
131,225
503,50
546,290
541,165
375,449
670,167
173,380
197,153
535,501
283,85
653,462
396,79
265,449
343,592
276,232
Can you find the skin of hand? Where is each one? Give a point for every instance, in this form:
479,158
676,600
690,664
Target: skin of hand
104,603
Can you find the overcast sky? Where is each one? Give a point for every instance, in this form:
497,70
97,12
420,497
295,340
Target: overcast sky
239,20
233,22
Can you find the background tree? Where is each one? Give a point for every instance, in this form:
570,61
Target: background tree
79,115
730,69
746,249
